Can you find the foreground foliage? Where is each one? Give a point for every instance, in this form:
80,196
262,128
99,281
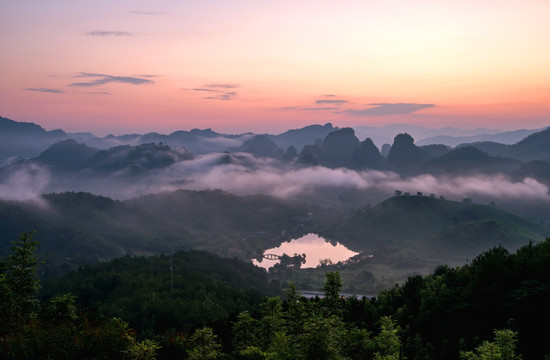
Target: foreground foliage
451,314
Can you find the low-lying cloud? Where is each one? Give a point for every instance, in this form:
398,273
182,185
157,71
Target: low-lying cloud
243,174
24,182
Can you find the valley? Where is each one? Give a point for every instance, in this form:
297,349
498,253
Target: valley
167,238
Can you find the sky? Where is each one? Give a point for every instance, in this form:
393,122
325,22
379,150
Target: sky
268,66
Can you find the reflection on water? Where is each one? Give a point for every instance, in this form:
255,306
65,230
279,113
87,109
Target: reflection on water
316,248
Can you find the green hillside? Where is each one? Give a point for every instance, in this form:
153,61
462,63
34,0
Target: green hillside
410,221
81,228
205,288
407,235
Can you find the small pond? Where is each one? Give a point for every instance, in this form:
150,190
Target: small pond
315,247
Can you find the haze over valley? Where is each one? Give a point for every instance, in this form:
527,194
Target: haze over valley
272,180
404,210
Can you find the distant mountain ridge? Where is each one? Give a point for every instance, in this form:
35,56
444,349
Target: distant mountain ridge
20,139
314,145
506,137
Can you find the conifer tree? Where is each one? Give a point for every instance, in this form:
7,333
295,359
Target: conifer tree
18,283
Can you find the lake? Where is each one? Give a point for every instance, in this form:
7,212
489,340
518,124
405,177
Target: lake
315,247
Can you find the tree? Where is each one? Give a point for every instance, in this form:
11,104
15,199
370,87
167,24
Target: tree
60,309
333,290
503,348
18,284
204,345
143,350
245,332
271,321
387,342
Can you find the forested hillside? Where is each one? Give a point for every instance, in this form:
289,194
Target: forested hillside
491,308
160,293
81,228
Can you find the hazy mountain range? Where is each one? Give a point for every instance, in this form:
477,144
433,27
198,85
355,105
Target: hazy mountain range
319,163
20,139
154,193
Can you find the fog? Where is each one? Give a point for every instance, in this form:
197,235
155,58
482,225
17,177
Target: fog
243,174
24,182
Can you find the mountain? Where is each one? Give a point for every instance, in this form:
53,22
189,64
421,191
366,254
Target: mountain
70,156
434,230
81,228
134,160
66,155
505,137
405,157
435,150
303,136
338,148
408,235
366,156
260,145
310,155
20,139
469,160
534,147
385,134
537,169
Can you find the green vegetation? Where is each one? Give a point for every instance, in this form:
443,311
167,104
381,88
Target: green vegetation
204,289
80,228
405,235
450,314
409,235
429,223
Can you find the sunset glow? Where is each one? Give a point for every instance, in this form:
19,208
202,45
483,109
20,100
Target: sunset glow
244,65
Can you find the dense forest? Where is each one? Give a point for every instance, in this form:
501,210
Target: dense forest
492,308
400,236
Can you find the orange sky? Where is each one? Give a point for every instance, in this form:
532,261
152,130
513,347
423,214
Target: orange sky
243,65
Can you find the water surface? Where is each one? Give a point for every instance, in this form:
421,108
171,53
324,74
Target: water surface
315,247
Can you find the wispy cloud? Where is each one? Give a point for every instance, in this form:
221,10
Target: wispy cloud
139,12
46,90
219,91
102,79
222,86
100,93
336,102
320,108
381,109
331,105
288,108
109,33
223,96
207,90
